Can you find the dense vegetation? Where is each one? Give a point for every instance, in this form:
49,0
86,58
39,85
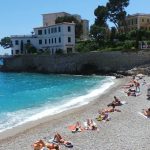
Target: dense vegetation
102,37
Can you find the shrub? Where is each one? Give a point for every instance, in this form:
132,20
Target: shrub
59,51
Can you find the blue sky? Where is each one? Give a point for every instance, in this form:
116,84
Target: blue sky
20,16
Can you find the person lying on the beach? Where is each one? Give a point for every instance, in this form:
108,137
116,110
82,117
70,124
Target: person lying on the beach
90,125
58,138
147,112
131,92
41,144
129,85
116,102
77,127
103,116
111,109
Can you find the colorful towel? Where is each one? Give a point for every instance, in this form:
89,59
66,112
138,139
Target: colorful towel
73,127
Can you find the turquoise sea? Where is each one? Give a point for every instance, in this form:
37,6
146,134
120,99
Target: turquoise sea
26,97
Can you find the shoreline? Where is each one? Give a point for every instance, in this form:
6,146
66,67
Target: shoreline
8,133
126,129
65,106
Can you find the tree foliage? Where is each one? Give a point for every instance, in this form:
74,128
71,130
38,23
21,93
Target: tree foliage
98,33
30,48
78,25
6,42
116,11
101,14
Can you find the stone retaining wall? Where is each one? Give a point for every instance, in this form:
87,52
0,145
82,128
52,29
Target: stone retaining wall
78,63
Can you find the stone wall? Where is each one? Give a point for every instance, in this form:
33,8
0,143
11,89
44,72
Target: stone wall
78,63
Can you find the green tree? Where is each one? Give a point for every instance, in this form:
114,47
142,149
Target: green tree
6,42
78,25
101,14
30,49
113,34
99,34
116,11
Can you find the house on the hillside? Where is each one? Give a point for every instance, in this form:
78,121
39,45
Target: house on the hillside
50,37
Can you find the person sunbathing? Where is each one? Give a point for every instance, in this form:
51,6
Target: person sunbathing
147,112
91,125
58,138
111,109
41,144
131,92
116,102
77,127
129,85
103,116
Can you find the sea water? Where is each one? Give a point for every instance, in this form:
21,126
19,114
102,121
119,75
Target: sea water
27,97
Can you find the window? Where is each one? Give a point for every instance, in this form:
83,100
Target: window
142,20
17,51
147,20
45,41
136,21
28,41
49,41
55,30
49,31
132,21
40,42
16,42
69,39
45,31
55,40
59,29
59,39
69,29
52,40
39,32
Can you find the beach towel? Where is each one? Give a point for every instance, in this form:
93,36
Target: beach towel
140,113
123,102
45,148
66,143
138,94
73,128
86,125
104,119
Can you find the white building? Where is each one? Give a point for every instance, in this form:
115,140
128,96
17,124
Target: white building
49,19
52,38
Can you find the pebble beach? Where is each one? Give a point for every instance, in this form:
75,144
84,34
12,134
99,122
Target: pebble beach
127,130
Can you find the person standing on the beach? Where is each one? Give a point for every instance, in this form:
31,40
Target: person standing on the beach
137,86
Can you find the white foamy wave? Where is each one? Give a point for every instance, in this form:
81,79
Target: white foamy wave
28,115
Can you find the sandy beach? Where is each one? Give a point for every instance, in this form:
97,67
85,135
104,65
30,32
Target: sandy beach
126,130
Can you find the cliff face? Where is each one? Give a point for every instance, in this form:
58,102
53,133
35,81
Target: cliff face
87,63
